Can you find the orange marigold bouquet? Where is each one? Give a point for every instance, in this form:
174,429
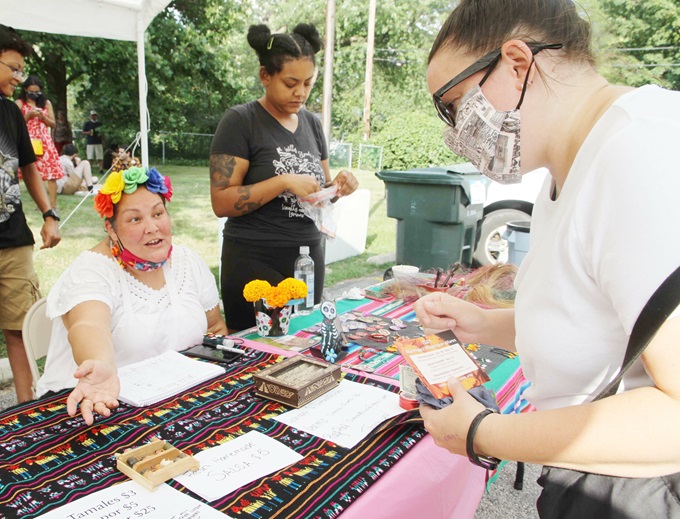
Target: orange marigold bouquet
285,293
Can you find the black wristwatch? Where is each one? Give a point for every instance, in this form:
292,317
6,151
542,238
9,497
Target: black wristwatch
51,213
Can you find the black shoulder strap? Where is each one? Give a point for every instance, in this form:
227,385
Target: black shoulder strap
662,304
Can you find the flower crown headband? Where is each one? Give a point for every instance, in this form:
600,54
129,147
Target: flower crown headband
127,181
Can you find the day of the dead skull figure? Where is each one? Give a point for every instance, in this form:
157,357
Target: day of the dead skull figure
331,338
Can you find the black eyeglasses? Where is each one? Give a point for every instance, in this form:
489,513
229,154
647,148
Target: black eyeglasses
446,111
17,73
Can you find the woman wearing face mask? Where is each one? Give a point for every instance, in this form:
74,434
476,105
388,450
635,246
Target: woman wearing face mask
264,156
39,115
131,297
516,84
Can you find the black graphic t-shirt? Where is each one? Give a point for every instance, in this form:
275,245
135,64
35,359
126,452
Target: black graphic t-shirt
250,132
15,152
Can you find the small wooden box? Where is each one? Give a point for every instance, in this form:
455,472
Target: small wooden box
139,463
297,380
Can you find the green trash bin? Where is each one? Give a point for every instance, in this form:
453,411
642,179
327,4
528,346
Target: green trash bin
437,210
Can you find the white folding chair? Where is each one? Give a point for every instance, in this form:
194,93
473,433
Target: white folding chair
36,331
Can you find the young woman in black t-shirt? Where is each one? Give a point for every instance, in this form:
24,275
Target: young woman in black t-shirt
264,155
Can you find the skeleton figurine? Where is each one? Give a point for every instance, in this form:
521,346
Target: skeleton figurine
332,340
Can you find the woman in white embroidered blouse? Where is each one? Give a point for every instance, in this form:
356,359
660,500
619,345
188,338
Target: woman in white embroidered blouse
131,297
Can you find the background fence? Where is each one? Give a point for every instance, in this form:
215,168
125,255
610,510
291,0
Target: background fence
179,146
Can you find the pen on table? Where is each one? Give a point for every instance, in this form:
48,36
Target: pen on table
231,349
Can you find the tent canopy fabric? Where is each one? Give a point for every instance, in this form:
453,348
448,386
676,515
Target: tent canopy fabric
113,19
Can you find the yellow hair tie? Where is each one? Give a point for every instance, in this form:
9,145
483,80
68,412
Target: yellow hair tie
271,41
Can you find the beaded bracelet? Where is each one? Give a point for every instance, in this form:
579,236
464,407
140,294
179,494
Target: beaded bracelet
487,462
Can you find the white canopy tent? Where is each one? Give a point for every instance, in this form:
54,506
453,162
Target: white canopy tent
113,19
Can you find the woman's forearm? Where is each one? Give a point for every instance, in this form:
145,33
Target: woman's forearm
632,434
88,320
84,348
501,332
235,201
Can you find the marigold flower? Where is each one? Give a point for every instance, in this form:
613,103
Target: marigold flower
256,289
276,298
294,288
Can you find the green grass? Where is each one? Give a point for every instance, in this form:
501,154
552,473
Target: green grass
194,226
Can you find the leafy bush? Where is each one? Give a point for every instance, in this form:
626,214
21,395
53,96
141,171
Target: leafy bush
413,140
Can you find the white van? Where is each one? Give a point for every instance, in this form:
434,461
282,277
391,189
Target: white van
505,203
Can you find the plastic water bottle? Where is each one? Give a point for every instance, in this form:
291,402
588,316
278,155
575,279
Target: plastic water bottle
304,270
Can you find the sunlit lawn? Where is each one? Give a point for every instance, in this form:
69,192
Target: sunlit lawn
194,226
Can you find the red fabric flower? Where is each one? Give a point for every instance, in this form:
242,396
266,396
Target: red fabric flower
103,205
168,184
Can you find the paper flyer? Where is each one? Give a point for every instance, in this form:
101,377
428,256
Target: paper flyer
436,358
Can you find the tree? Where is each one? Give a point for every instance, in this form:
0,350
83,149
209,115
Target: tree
188,65
643,40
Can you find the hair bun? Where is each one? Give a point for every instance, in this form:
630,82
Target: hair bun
259,36
309,33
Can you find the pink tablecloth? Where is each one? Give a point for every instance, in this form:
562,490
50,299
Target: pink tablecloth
428,482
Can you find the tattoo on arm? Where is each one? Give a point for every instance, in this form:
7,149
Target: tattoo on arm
221,170
243,204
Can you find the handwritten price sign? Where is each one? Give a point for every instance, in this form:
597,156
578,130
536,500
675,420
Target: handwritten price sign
236,463
131,501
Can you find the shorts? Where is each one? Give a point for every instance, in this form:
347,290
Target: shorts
73,184
95,151
19,287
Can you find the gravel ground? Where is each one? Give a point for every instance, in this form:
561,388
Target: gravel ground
7,396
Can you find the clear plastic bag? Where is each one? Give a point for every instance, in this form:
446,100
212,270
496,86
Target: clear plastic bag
319,208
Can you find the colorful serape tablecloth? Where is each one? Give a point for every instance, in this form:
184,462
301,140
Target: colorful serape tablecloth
48,459
507,378
383,363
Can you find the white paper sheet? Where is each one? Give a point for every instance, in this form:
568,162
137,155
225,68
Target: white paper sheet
345,415
130,500
236,463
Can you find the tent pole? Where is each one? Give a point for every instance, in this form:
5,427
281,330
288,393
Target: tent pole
141,72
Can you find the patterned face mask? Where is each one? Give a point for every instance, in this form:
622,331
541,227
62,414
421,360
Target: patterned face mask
126,259
487,137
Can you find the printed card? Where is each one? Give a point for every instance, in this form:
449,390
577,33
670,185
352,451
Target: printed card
436,358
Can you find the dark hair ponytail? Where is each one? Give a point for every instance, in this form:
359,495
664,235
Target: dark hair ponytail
273,50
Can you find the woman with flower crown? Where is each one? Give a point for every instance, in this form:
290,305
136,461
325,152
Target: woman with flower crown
131,297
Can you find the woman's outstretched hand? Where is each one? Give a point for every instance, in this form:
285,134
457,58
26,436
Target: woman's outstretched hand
96,392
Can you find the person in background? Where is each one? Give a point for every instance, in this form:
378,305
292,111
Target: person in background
132,296
39,115
95,150
264,156
599,242
77,173
110,153
19,287
124,160
63,134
